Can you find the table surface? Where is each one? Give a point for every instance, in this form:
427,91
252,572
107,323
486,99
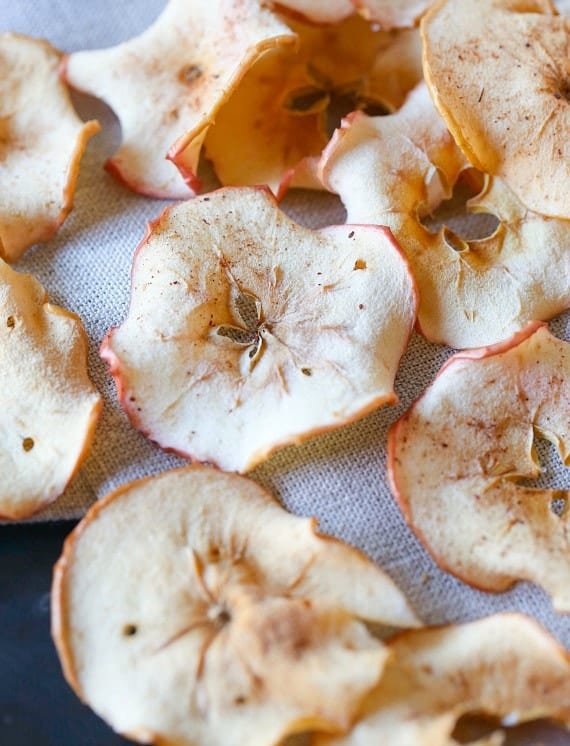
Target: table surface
37,708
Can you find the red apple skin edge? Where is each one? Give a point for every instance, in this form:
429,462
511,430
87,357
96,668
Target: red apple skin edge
113,167
115,370
401,499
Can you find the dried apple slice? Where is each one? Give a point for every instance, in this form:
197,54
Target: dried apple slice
246,331
499,73
48,406
319,11
505,666
41,143
391,170
456,458
167,84
225,619
393,13
281,111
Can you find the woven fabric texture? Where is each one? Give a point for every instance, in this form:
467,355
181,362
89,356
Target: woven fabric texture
338,477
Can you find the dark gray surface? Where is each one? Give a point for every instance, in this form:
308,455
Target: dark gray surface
37,708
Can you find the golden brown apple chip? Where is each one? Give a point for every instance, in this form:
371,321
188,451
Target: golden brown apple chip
456,459
281,111
190,609
392,170
48,406
41,143
499,73
246,331
393,13
504,665
167,85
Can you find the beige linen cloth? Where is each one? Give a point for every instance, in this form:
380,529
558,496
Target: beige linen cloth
338,477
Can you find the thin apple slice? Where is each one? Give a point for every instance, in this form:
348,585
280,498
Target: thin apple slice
190,608
505,666
392,170
393,13
41,143
48,406
246,331
167,85
280,113
319,11
456,458
499,74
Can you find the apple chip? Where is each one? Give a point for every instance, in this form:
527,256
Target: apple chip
392,170
48,406
247,331
505,666
456,459
190,608
280,113
319,11
167,84
41,143
499,73
393,13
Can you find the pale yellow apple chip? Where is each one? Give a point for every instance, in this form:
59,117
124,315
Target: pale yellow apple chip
279,116
41,143
392,170
393,13
505,666
167,84
499,73
319,11
190,608
247,331
456,459
48,406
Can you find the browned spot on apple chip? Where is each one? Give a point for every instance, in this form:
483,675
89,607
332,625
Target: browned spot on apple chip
41,143
505,666
455,460
219,383
288,102
48,406
167,85
395,169
225,619
499,73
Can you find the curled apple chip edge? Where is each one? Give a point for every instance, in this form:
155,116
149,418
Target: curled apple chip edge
48,406
396,169
277,122
243,620
167,85
516,130
41,144
467,505
257,332
505,666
